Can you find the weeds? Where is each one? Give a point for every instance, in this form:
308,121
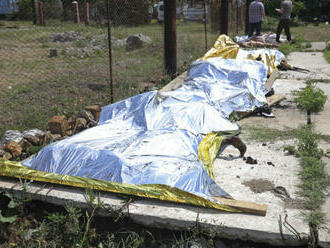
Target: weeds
264,134
326,53
313,177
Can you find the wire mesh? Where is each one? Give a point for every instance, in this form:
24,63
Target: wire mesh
55,57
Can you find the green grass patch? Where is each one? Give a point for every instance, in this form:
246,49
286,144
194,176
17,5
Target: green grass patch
314,179
265,134
316,80
326,53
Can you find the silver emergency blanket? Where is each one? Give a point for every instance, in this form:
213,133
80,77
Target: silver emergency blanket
153,138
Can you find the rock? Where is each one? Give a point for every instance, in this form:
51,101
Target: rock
25,144
81,124
136,41
72,122
11,135
58,125
35,136
52,53
144,38
250,160
69,132
270,163
90,118
196,244
95,110
48,138
56,137
7,156
14,148
65,37
133,42
2,152
118,42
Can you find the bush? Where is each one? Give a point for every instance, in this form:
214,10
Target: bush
310,99
307,144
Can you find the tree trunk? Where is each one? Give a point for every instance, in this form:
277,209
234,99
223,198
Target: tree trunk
309,120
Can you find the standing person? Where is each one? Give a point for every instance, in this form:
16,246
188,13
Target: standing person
256,13
285,11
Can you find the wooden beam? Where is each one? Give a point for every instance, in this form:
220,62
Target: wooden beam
270,81
245,206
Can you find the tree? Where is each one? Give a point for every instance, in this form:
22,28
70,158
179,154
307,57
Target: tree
310,99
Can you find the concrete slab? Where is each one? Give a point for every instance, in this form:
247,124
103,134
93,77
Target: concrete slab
274,168
316,46
178,217
313,61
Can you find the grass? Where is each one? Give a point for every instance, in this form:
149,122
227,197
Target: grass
265,134
326,53
34,86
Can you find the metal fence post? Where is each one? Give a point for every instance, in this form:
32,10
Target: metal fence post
224,17
170,37
41,13
76,12
86,13
34,16
110,51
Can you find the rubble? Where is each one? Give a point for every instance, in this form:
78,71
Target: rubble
15,144
58,125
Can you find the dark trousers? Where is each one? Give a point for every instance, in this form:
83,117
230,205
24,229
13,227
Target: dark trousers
284,23
254,26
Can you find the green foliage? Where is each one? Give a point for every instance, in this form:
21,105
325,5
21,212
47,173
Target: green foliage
25,10
298,8
314,181
290,149
307,143
264,134
313,178
326,53
9,219
310,98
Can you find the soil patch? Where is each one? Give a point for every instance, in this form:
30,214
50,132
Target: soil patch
259,185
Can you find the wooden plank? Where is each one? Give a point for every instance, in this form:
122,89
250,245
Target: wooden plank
270,81
245,206
274,99
175,83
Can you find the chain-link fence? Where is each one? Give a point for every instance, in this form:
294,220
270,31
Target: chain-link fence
55,56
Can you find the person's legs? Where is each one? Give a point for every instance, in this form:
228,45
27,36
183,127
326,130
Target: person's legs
251,29
287,29
258,28
279,30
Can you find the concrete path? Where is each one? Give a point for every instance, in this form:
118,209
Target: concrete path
272,181
316,46
288,115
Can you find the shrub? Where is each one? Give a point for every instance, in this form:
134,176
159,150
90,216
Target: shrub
310,99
